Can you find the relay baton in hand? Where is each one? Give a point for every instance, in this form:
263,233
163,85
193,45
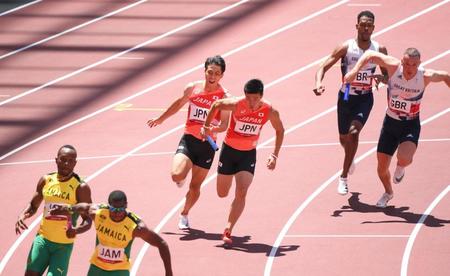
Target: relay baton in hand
346,91
212,143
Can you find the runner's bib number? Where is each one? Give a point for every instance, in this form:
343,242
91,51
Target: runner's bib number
400,105
247,128
363,78
198,114
110,254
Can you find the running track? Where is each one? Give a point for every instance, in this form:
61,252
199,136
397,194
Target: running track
67,89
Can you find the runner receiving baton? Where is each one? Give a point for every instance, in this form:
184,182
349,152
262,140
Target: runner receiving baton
238,154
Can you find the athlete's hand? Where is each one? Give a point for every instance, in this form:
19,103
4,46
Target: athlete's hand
20,224
154,122
70,231
271,162
205,131
319,90
378,79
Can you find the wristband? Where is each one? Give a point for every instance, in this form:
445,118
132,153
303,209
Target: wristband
274,156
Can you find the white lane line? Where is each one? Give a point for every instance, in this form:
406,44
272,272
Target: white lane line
145,43
182,74
296,214
19,8
171,152
129,58
338,144
415,232
363,5
89,158
71,30
347,236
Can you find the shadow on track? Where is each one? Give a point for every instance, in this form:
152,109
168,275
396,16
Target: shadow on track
355,205
242,244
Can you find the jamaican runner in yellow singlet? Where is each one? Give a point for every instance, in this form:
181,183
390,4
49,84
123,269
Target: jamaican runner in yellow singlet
53,243
116,228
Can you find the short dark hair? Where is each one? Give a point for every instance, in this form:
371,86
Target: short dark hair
254,86
412,52
217,60
366,13
67,147
117,196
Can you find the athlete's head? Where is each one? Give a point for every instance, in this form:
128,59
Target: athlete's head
117,201
410,62
214,69
254,90
66,159
365,25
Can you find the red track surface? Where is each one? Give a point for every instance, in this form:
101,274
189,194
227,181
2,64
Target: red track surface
332,235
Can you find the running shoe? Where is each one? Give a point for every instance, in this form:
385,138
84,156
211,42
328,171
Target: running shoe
226,237
342,186
382,202
183,223
398,174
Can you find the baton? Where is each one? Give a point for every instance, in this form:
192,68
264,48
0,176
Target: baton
212,143
346,91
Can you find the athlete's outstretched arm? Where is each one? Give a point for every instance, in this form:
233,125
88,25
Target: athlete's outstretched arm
274,117
436,76
228,105
87,209
338,53
173,108
148,235
32,207
387,62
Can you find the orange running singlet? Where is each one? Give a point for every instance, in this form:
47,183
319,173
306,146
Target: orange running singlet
246,124
200,102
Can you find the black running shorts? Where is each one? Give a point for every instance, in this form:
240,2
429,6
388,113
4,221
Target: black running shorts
232,161
199,152
357,107
395,132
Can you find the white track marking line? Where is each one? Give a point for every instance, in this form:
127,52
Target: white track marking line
347,236
71,30
153,87
171,152
418,226
293,218
145,43
19,8
129,58
363,5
